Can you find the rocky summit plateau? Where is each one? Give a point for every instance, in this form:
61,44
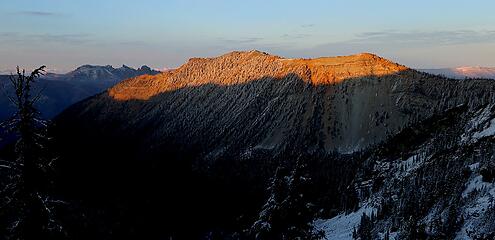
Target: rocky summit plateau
242,67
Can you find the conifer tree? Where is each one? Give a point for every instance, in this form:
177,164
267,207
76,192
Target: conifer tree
269,218
288,213
30,206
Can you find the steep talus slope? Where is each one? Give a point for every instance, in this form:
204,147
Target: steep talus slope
207,136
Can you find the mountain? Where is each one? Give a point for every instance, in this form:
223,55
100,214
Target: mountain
287,91
464,72
191,152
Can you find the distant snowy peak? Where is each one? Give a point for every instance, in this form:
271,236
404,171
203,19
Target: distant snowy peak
483,72
464,72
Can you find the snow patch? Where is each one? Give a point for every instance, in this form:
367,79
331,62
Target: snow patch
474,166
490,131
341,227
409,166
482,125
474,209
475,184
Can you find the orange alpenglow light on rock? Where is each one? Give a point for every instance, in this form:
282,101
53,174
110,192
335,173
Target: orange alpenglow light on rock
241,67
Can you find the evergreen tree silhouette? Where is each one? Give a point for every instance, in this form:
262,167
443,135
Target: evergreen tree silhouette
33,213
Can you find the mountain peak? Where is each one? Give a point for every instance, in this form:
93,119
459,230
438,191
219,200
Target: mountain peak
253,52
239,67
367,55
144,67
125,67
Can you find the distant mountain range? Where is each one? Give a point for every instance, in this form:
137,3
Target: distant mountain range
463,72
92,73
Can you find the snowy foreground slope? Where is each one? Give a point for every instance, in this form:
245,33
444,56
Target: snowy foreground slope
446,179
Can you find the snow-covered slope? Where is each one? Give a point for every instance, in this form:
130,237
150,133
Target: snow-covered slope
342,226
442,186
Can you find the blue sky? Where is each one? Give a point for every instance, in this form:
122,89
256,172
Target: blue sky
64,34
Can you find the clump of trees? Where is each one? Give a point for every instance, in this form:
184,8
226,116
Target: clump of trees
27,211
287,213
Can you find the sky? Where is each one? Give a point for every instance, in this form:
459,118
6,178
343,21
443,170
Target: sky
64,34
